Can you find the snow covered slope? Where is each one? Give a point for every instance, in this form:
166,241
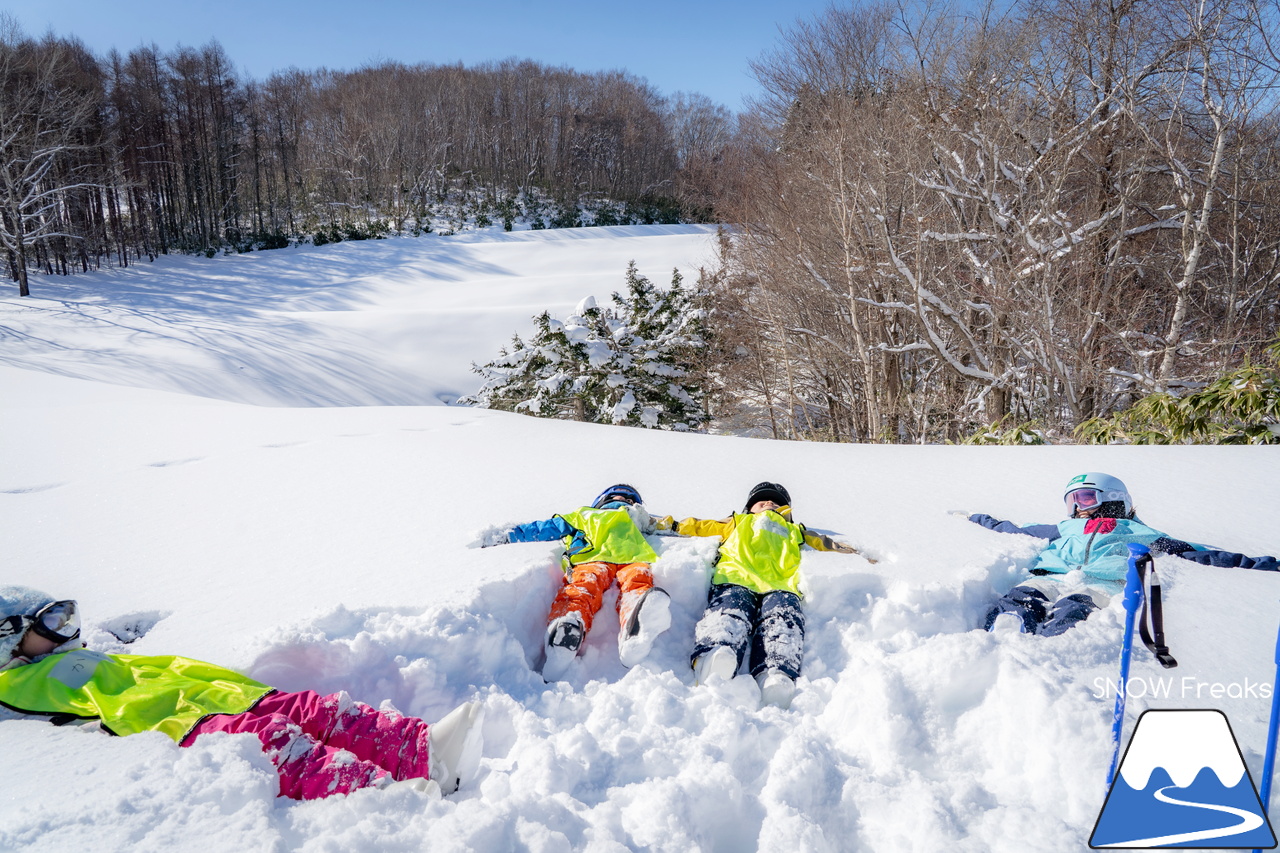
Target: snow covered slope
372,323
333,548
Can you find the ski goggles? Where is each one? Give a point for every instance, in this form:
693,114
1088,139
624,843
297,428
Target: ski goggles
58,622
1083,499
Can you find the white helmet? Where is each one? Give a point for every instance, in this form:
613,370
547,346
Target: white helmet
23,608
1090,491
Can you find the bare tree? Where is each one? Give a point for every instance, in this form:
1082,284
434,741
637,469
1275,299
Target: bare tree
953,220
41,116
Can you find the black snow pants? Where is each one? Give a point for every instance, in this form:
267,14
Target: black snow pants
1038,614
770,624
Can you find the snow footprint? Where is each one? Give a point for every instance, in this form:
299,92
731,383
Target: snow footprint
30,490
169,463
116,633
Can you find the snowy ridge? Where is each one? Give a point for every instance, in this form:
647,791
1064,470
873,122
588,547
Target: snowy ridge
334,548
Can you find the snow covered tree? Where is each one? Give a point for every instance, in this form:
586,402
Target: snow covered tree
949,221
45,110
632,363
554,375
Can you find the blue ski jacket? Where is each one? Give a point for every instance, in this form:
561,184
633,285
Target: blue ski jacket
1099,546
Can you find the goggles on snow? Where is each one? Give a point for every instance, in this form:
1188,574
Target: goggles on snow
1083,499
58,622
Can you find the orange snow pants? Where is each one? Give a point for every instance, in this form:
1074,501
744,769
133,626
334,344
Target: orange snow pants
584,589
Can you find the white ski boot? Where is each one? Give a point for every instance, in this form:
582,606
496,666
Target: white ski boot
720,662
1008,623
776,688
456,743
564,638
430,787
650,616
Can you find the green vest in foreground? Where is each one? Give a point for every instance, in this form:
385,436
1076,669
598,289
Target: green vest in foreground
762,553
609,536
129,693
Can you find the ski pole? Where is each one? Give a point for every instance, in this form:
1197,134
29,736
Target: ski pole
1269,760
1132,599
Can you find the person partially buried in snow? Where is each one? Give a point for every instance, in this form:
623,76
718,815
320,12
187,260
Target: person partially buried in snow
754,604
1091,545
319,745
603,542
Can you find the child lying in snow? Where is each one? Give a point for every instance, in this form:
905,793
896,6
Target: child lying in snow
754,598
1095,540
320,745
602,542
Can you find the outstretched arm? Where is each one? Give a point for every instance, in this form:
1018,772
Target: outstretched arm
1040,531
547,530
702,527
822,542
1210,557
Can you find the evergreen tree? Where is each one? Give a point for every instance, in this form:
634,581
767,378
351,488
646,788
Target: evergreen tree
1240,407
631,363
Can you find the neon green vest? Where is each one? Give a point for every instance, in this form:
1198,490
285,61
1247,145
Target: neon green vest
762,553
606,536
129,693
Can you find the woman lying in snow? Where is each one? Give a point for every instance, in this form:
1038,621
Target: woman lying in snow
320,745
1094,540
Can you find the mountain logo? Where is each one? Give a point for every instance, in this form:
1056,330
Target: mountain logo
1183,783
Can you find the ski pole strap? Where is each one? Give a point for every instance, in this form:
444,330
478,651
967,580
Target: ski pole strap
1155,644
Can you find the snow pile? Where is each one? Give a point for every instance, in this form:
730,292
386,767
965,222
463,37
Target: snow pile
337,548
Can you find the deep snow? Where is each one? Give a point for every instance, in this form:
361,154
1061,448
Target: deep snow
324,538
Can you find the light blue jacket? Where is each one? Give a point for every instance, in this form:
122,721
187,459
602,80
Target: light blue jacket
1099,546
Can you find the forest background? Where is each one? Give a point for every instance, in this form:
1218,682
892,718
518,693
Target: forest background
939,220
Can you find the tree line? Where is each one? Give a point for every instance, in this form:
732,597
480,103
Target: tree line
104,160
948,219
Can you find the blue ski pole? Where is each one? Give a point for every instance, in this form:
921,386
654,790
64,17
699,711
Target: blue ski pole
1269,760
1132,599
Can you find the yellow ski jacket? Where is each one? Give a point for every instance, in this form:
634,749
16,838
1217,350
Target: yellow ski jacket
760,551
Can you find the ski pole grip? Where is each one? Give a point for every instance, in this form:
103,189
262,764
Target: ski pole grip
1133,579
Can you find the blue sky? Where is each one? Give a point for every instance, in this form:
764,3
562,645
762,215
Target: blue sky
690,45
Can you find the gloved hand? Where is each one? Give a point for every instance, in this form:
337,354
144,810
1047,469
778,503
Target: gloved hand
846,548
490,536
664,526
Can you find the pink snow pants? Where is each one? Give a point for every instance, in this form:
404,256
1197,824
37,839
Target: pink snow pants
325,745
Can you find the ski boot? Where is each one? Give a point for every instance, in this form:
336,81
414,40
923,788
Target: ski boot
720,662
1067,613
1028,606
455,746
649,617
430,787
776,688
564,638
